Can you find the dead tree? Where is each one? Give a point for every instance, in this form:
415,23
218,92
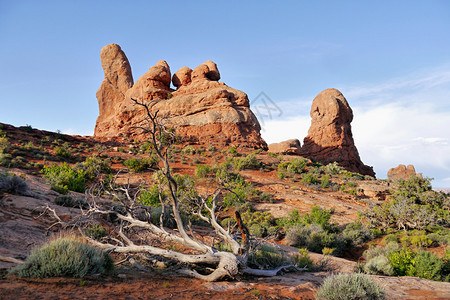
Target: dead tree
226,264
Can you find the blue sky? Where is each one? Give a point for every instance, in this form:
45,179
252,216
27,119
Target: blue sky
391,59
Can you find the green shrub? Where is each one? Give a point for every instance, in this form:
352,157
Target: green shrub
314,238
94,165
5,159
65,177
13,184
202,171
349,286
357,234
4,143
420,240
150,197
405,241
268,257
401,261
247,162
327,251
310,179
68,201
187,194
27,128
188,150
147,147
265,197
257,230
325,182
441,236
378,250
96,231
319,216
303,260
350,175
334,169
393,260
352,192
260,224
60,189
232,150
426,265
390,238
139,165
242,192
378,265
67,256
294,166
63,152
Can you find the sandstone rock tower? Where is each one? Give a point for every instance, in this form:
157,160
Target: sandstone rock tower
201,109
330,136
118,79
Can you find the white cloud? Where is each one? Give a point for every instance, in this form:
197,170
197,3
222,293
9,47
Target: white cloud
433,140
393,134
72,131
275,131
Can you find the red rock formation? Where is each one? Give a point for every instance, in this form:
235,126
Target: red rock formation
286,147
202,109
153,85
118,79
403,172
330,136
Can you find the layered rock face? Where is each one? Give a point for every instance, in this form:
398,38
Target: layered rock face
286,147
330,136
403,172
201,109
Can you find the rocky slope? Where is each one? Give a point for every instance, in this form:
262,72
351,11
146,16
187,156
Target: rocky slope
22,227
201,109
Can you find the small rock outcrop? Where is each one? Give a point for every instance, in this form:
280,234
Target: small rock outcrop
201,109
118,79
330,136
286,147
402,172
153,85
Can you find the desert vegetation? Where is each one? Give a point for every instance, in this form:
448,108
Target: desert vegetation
139,207
65,256
350,286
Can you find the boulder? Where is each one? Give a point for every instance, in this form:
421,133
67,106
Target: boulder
118,79
402,172
330,136
182,77
213,73
206,71
286,147
153,85
201,110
